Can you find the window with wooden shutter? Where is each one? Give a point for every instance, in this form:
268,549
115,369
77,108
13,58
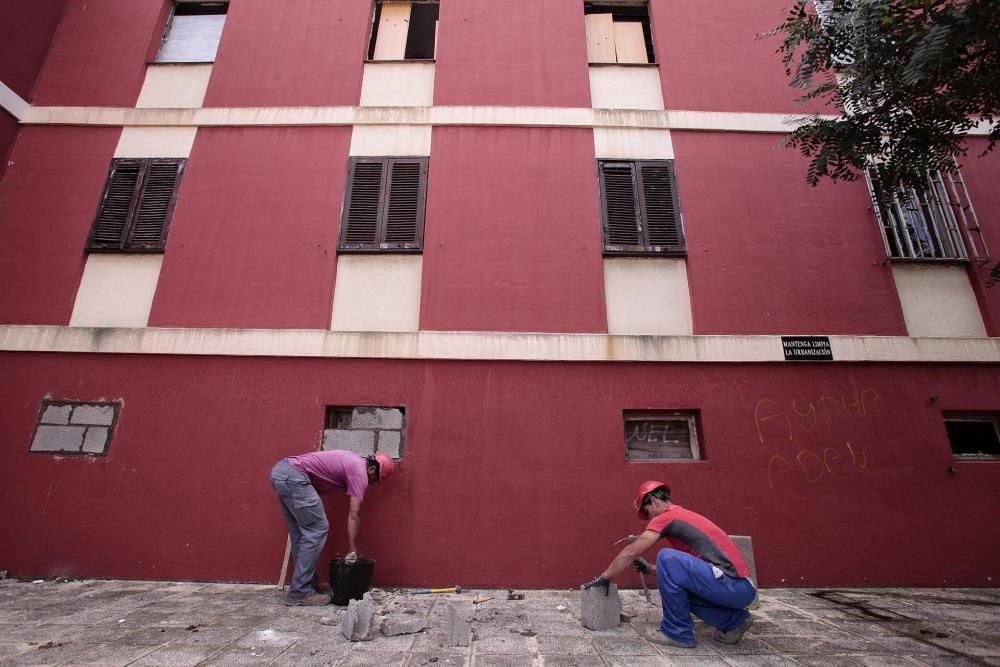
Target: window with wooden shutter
658,435
137,204
640,211
384,206
193,32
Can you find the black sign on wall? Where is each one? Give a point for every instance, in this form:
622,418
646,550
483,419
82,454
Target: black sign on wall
807,348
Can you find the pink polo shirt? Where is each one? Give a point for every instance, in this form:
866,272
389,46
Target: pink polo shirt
334,471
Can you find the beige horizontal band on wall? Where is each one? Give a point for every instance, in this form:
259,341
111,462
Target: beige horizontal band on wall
482,346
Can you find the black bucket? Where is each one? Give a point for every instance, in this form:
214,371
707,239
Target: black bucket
350,581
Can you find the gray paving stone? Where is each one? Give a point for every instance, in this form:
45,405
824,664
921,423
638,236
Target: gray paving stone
369,658
572,661
402,624
13,648
600,610
177,655
112,655
234,656
458,627
564,646
504,661
313,654
633,645
436,659
49,653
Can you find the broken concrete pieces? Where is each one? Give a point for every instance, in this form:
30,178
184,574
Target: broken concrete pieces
600,611
402,624
459,629
358,621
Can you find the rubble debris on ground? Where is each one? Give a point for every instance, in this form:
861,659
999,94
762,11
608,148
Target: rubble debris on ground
358,621
402,624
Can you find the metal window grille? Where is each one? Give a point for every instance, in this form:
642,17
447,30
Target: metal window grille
933,222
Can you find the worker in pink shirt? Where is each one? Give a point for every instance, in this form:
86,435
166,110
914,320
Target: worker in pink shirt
299,481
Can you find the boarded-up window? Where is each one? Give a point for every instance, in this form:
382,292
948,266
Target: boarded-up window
137,204
74,427
384,207
193,32
661,435
366,429
404,30
640,210
618,32
973,436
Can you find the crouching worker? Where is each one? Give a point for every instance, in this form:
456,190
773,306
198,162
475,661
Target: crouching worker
299,481
702,572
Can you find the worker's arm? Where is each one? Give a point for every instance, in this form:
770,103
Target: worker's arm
353,528
630,553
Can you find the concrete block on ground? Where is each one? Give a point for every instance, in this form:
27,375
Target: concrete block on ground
459,629
93,415
358,621
56,414
96,440
388,418
402,624
359,442
745,544
388,443
58,439
599,611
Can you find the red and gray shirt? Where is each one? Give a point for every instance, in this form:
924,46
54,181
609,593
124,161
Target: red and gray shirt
692,533
334,471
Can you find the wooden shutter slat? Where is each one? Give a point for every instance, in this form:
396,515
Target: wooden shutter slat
116,206
364,199
621,210
156,200
661,215
404,202
384,205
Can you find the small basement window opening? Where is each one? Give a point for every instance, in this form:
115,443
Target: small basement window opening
404,30
661,435
974,436
618,32
193,32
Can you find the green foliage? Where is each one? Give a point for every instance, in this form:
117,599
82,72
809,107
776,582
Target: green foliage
903,78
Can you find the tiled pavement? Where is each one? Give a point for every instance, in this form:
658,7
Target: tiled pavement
87,622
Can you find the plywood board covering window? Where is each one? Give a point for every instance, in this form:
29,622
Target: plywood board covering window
193,32
618,33
404,31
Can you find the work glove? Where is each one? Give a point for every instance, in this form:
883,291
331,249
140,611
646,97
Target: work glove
642,565
351,557
601,582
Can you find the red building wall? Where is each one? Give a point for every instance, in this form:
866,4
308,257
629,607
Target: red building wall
512,240
512,53
26,32
270,56
253,241
99,55
769,254
982,178
48,200
842,474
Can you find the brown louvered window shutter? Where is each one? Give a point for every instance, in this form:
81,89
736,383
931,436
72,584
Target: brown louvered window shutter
640,212
384,205
136,207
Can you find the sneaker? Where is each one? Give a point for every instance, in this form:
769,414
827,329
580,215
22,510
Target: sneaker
314,600
736,634
653,634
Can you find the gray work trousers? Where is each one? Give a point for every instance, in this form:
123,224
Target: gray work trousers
307,525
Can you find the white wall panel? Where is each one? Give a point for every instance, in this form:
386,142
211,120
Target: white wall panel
156,142
621,144
626,88
938,300
391,140
116,291
398,85
174,86
647,296
377,293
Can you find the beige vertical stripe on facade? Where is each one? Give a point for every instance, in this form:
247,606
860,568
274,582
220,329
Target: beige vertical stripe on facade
116,291
141,142
393,26
630,42
377,293
174,86
622,144
600,38
373,140
626,88
937,300
647,296
409,84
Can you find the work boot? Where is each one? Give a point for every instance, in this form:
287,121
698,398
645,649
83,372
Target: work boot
314,600
653,634
736,634
323,589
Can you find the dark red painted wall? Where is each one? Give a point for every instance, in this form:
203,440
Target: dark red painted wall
8,133
99,55
512,53
840,474
309,53
769,254
512,241
982,178
711,60
254,237
48,199
26,32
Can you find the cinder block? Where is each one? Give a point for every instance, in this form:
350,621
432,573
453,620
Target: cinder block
377,418
388,443
402,624
745,544
358,620
93,415
96,440
359,442
58,439
56,414
599,611
459,628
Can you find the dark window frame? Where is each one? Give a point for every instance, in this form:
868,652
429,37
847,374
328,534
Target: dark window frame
417,29
384,234
692,419
612,230
106,219
984,417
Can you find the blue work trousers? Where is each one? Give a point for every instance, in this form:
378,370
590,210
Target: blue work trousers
688,585
307,525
